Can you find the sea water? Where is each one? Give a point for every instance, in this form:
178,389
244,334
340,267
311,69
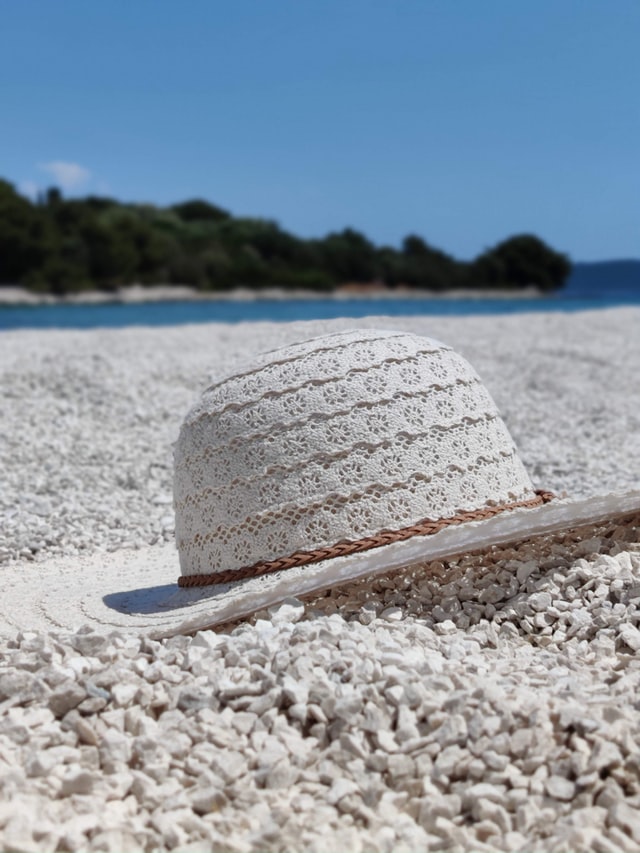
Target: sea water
117,315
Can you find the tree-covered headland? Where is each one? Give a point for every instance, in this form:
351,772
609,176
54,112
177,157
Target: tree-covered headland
58,245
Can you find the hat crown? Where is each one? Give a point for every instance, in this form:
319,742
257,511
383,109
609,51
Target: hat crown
332,440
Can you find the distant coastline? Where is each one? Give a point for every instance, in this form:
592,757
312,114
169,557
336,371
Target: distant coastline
66,246
587,280
137,294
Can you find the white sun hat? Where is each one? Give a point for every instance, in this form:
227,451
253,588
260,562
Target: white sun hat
346,456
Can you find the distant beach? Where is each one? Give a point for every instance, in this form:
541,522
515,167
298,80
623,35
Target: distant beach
137,293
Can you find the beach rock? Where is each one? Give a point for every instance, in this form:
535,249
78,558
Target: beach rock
626,818
40,763
289,612
207,800
630,636
560,788
481,704
66,696
21,687
77,781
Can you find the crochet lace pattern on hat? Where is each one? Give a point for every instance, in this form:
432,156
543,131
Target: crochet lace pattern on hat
333,440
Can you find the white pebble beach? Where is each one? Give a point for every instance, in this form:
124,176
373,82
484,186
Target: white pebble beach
484,705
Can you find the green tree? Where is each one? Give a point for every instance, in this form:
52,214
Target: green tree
348,256
520,261
198,210
66,244
26,237
423,266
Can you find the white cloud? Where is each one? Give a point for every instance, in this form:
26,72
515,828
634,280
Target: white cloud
68,176
29,189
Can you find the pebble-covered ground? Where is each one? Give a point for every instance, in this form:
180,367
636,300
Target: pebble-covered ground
491,705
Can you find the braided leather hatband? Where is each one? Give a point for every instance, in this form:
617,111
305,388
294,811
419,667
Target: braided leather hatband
426,527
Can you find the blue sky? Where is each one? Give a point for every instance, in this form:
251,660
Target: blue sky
460,120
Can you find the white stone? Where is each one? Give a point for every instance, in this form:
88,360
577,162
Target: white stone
560,788
529,684
115,748
626,818
40,763
540,601
207,800
392,614
630,636
339,789
77,781
287,613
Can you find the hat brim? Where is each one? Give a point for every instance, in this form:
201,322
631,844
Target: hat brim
137,590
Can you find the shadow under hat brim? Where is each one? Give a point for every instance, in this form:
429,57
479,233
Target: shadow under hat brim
138,591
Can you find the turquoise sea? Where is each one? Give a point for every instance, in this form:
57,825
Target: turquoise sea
581,293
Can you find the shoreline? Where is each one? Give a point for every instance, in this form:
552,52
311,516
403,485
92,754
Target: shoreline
139,294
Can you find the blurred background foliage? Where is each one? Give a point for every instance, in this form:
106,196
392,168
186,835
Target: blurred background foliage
57,245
